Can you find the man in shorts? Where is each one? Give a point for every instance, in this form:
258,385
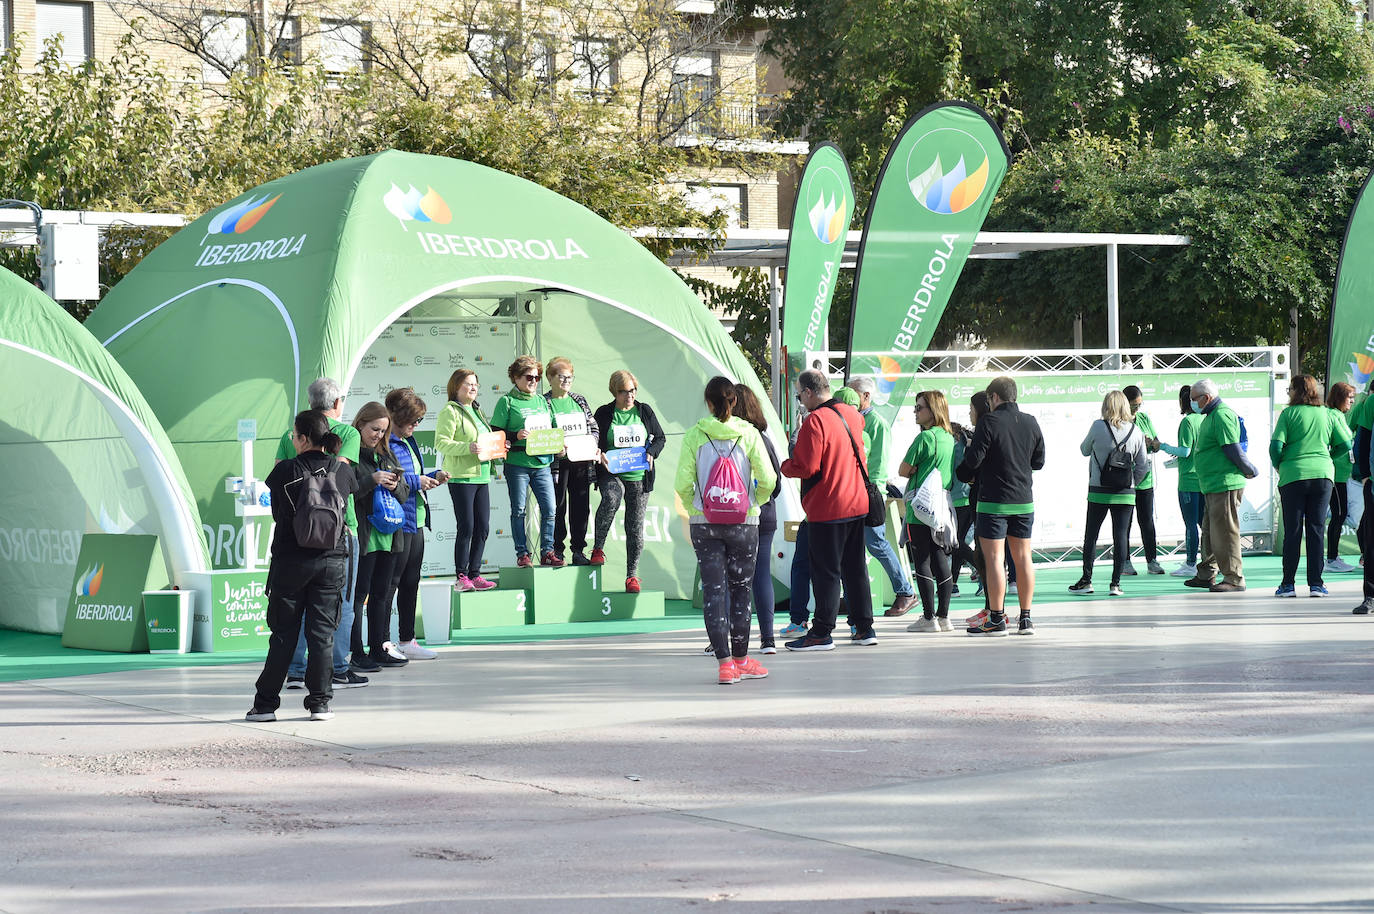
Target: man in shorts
1006,447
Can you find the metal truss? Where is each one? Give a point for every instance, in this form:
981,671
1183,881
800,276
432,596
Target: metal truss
1193,361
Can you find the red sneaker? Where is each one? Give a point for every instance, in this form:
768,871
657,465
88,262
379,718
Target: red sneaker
632,585
749,668
729,673
598,557
525,560
550,559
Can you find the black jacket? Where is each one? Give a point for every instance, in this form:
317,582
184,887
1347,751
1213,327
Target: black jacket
654,446
1007,445
369,462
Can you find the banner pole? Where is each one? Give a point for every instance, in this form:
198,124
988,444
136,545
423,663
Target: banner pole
775,336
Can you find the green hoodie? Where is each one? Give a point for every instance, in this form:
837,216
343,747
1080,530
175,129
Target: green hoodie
457,428
750,456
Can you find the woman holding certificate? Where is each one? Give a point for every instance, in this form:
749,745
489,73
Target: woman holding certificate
461,437
630,439
520,413
572,470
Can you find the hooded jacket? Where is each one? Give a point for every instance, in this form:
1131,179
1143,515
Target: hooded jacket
706,442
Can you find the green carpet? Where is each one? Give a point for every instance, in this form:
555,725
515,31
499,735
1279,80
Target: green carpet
24,655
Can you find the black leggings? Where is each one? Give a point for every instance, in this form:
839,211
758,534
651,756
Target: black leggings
406,578
963,515
1340,507
1121,533
1145,517
930,567
726,554
375,586
471,510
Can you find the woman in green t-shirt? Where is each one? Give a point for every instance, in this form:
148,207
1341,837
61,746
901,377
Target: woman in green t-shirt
931,452
1190,499
627,422
519,412
460,423
1339,400
1305,439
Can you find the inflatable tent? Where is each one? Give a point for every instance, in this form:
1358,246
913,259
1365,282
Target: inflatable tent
340,269
83,453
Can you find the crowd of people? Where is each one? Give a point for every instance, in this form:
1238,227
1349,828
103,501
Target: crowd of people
959,480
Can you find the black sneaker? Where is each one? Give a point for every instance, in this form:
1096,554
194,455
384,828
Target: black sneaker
868,637
1025,626
1084,585
1364,608
349,680
361,663
384,660
322,713
809,643
996,629
293,683
580,558
710,650
260,716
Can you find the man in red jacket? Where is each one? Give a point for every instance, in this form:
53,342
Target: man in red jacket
827,459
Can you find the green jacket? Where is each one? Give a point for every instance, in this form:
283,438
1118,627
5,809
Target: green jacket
454,432
699,456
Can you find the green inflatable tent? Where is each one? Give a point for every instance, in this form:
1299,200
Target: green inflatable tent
380,272
83,453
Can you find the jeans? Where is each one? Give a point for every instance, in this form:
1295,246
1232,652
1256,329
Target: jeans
343,635
727,554
875,541
1121,536
472,513
1190,506
763,581
519,480
302,599
1304,504
837,553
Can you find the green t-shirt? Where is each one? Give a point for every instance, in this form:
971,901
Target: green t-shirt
627,430
513,412
348,451
932,451
1147,428
1302,442
1215,471
1344,464
878,431
1187,437
1362,413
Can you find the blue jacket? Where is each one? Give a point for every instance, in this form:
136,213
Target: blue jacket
407,454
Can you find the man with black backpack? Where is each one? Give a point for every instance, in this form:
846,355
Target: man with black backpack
309,571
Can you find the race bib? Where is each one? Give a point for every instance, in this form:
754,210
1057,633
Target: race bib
628,436
572,423
537,421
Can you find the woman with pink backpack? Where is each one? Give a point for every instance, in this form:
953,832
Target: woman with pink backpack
723,475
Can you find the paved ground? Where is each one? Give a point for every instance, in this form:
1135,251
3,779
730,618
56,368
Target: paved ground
1192,753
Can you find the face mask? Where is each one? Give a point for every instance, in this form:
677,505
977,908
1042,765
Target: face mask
1196,408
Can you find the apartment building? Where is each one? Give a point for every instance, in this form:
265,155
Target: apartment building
714,83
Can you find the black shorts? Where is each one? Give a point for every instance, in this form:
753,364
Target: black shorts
1001,526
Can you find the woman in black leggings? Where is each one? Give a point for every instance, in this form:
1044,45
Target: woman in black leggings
1111,436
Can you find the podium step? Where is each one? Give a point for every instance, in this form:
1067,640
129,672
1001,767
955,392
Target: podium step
490,608
568,594
647,604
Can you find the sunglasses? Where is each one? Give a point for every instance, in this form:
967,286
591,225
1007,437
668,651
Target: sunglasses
530,377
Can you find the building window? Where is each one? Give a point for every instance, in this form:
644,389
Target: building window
343,46
71,22
593,66
692,92
224,45
732,198
286,43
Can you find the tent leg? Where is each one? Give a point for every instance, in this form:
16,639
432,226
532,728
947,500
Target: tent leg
775,338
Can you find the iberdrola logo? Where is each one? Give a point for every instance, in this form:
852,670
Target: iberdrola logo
1361,369
89,584
889,370
413,206
947,170
240,217
829,206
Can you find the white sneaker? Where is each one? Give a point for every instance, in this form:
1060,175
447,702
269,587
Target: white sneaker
1339,565
923,625
945,624
393,651
412,650
1114,590
1185,571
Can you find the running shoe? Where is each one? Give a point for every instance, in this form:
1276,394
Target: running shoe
809,643
1114,590
769,648
1286,590
481,583
987,627
322,713
729,673
944,623
524,560
1339,565
1084,585
749,668
792,628
1318,591
550,559
924,625
598,557
1185,571
349,680
293,682
259,717
1154,568
1129,569
632,585
580,558
1363,609
412,650
866,638
1025,626
463,584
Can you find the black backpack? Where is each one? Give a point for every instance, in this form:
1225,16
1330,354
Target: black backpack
318,508
1115,471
